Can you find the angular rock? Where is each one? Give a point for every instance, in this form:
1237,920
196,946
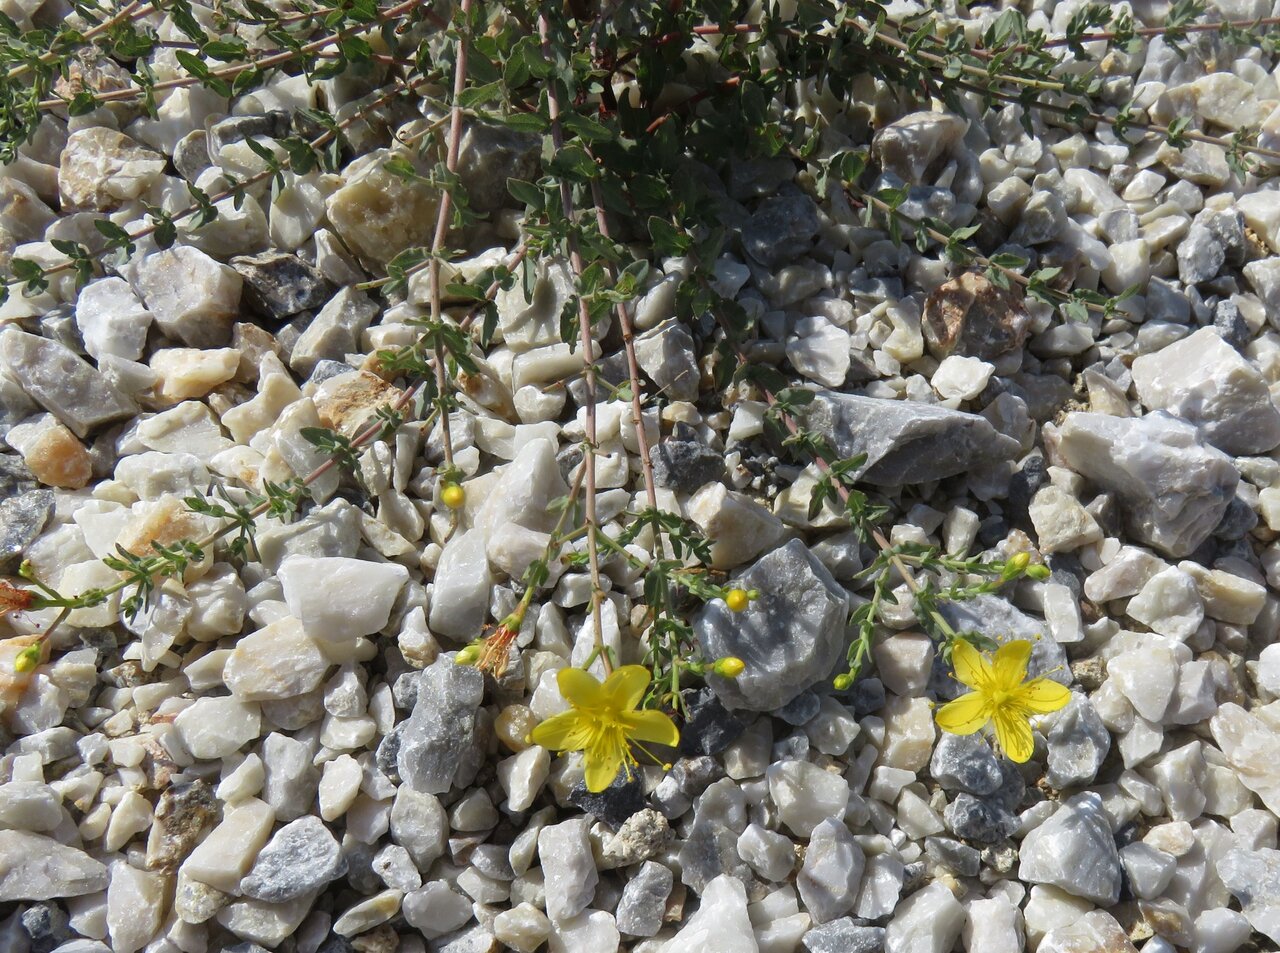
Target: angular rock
1095,930
1173,489
666,354
568,868
34,867
441,730
135,906
112,320
982,821
781,229
22,519
686,465
70,388
1078,744
1206,382
488,155
1075,851
644,900
193,298
102,169
805,795
460,600
788,638
929,921
737,527
339,599
278,285
965,763
769,853
843,936
909,147
832,872
720,923
906,442
523,928
301,857
1252,747
970,316
377,213
334,332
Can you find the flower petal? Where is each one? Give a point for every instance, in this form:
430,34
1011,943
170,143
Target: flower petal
971,668
965,715
579,688
625,687
651,726
1009,667
602,763
1043,695
1014,734
567,731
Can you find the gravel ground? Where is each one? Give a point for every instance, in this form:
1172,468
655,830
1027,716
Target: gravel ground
279,751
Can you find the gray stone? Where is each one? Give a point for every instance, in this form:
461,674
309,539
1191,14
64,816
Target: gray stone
1173,489
1205,381
644,900
904,441
983,821
781,229
22,519
193,298
278,284
959,858
997,619
788,638
1253,877
1078,743
709,851
290,778
965,763
15,405
334,332
568,868
843,936
302,856
832,872
1200,255
33,867
490,154
1074,850
222,133
440,733
70,388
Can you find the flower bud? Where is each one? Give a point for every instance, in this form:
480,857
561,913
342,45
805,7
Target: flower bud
1039,571
729,667
468,655
452,495
27,659
842,682
1017,564
737,599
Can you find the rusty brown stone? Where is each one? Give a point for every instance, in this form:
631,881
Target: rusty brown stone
183,813
972,317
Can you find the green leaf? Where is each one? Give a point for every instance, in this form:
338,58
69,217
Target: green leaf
668,241
474,96
585,128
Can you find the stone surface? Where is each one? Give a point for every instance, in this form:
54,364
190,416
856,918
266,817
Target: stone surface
440,732
1074,850
377,213
1206,382
929,921
102,169
65,385
301,857
22,518
644,900
788,638
193,298
568,868
278,285
721,921
781,229
34,867
1173,489
906,442
832,872
334,332
338,599
970,316
1078,744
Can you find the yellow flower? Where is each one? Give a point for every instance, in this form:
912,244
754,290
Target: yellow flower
603,722
1001,694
